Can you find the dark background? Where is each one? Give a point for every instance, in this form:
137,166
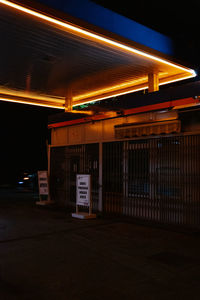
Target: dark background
23,134
179,20
23,128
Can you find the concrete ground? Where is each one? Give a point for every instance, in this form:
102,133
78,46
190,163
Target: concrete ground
45,254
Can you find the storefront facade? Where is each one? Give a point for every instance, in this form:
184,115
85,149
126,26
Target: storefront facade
144,166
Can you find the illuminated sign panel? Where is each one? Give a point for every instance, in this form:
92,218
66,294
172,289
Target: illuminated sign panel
83,190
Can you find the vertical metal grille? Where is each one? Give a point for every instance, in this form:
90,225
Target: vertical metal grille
136,174
58,175
155,179
113,177
92,167
68,161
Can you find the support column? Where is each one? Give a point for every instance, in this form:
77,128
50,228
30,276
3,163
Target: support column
48,170
100,202
68,100
153,82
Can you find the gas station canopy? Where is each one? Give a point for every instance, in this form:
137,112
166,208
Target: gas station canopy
57,60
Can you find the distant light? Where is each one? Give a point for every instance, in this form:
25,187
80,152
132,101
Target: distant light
20,182
26,178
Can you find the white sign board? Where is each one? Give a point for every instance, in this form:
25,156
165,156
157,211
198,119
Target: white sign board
83,189
43,182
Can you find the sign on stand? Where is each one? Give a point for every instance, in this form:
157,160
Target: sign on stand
83,190
43,187
83,197
43,182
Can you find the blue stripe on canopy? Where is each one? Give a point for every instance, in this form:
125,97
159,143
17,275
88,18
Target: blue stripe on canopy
106,19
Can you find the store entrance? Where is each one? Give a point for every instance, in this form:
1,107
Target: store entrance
66,163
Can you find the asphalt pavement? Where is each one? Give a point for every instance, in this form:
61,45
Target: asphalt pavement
46,254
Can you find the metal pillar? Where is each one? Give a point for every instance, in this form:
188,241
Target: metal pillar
153,82
68,100
100,203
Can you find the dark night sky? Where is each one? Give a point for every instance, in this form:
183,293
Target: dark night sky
23,139
177,19
24,128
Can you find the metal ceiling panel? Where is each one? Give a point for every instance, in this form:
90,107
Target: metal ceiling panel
40,58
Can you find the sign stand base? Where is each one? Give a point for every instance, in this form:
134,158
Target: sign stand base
83,215
44,202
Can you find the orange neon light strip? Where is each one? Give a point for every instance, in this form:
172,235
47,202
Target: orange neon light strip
9,93
111,96
126,92
121,86
31,103
100,38
87,34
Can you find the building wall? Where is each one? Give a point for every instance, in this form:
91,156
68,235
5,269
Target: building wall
151,178
104,130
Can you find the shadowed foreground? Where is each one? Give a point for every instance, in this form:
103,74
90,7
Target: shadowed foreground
45,254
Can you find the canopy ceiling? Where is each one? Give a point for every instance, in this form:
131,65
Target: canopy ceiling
45,60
